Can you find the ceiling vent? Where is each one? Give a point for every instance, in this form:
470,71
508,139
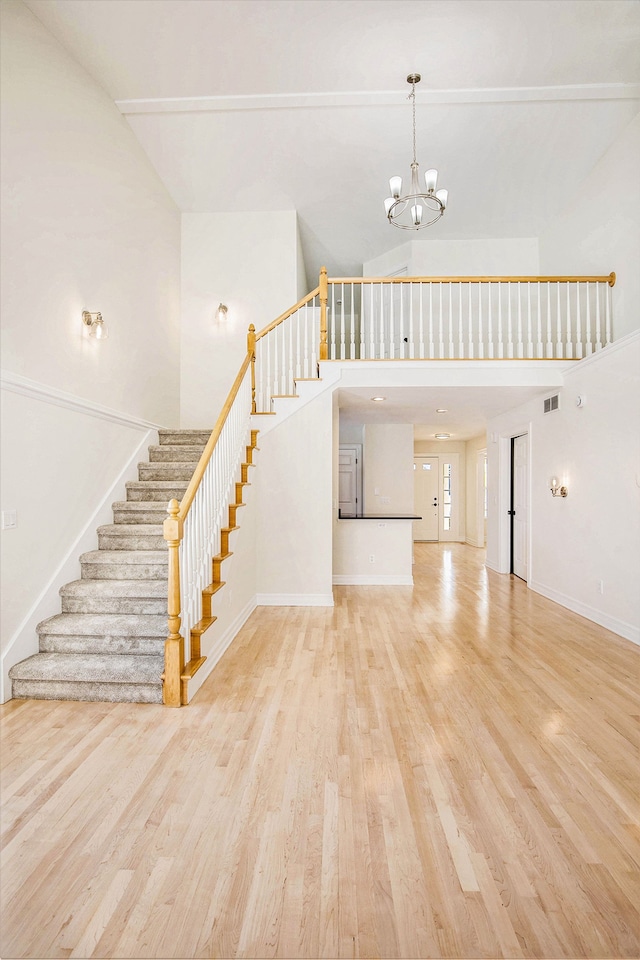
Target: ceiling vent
552,403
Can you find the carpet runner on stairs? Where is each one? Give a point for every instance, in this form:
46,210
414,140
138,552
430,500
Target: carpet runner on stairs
108,641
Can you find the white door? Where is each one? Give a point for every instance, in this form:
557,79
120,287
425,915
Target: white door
520,506
349,481
426,499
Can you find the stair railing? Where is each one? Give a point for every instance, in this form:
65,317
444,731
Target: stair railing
468,318
192,531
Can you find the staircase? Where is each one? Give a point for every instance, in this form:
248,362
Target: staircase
108,641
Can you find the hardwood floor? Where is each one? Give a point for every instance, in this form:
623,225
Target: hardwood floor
444,771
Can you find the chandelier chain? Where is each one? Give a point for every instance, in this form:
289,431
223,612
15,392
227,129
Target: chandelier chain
412,96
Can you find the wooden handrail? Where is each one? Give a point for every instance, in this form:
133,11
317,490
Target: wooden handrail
323,352
287,314
610,279
196,479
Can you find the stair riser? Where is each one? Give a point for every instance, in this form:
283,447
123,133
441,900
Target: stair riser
165,471
124,571
124,542
136,646
146,491
179,438
115,605
122,513
94,692
186,453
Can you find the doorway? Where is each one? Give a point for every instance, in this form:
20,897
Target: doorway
519,506
350,501
426,498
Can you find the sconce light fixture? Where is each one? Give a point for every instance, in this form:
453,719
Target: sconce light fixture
221,312
97,326
557,490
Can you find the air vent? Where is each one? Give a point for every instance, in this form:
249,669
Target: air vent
552,403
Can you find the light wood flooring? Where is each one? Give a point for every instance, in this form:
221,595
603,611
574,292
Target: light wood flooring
444,771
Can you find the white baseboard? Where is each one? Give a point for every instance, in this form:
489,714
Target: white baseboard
24,642
626,630
474,543
373,579
492,566
294,599
220,646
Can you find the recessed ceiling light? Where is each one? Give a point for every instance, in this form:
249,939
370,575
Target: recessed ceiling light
441,410
442,436
378,399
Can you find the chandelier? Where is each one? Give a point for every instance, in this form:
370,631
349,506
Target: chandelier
418,208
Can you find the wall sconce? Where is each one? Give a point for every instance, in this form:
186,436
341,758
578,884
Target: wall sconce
97,326
221,312
556,489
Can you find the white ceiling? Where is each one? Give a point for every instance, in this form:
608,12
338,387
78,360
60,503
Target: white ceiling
301,104
247,105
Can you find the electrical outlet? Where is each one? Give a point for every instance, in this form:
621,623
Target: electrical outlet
9,519
372,559
385,500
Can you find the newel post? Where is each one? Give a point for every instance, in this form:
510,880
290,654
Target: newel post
174,644
251,350
324,296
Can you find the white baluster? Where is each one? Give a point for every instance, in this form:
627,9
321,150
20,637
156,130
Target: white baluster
539,347
372,324
530,353
460,334
451,348
401,323
480,328
598,325
559,348
411,346
352,344
500,339
549,343
342,330
440,330
382,343
589,340
509,324
470,323
490,351
392,332
579,344
520,345
608,311
431,343
421,321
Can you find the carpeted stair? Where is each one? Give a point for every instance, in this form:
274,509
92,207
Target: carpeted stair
108,642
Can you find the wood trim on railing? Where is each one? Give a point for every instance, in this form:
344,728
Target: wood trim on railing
610,279
198,473
323,287
288,313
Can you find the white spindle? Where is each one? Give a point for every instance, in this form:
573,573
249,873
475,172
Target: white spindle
342,330
420,294
460,334
480,327
509,323
411,346
500,335
431,344
352,338
598,324
490,320
451,348
589,340
608,295
392,332
549,343
529,330
559,349
578,324
440,331
539,347
470,322
520,345
381,331
401,321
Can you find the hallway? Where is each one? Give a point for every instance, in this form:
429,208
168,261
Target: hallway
448,770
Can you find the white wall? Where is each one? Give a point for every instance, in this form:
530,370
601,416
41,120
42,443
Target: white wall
373,552
294,529
599,229
593,534
250,263
475,534
86,224
388,468
429,257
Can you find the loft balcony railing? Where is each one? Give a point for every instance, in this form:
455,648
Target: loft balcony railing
432,318
358,319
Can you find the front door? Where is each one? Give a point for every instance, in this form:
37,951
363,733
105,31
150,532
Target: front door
426,499
520,506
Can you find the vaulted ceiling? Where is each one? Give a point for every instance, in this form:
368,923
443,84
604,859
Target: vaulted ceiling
247,105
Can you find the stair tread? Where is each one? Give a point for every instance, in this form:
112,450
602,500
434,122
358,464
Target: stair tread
94,667
131,529
118,556
140,589
105,624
